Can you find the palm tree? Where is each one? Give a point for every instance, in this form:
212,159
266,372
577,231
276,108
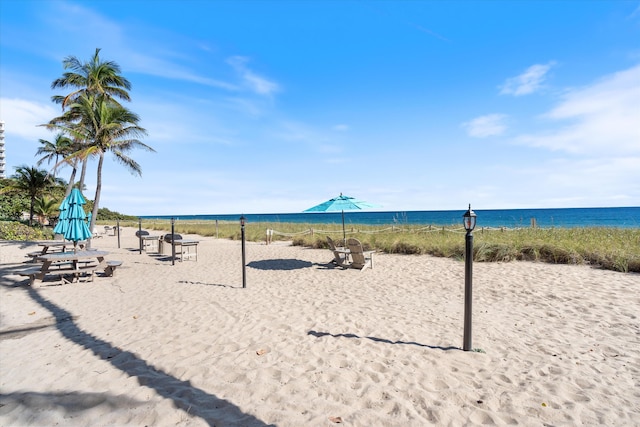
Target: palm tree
91,78
45,208
106,126
32,181
60,147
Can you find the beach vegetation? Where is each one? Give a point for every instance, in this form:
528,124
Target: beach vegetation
32,183
106,215
46,208
615,249
12,204
17,231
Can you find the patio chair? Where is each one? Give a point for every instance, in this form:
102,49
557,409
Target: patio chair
340,255
360,258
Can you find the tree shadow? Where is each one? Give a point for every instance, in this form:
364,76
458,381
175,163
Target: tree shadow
280,264
71,402
21,244
195,401
318,334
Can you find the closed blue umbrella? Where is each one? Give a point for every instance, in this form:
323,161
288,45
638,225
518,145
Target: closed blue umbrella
77,228
62,224
341,203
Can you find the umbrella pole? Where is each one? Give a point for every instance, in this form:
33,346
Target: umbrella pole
344,233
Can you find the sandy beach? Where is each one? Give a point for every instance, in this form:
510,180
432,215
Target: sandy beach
310,344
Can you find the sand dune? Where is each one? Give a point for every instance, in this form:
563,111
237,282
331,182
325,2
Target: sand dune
307,344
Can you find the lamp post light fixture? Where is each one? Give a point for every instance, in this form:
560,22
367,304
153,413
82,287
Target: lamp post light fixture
469,221
244,264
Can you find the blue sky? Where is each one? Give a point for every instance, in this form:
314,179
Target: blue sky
275,106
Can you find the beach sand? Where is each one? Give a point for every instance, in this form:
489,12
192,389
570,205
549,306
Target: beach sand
308,344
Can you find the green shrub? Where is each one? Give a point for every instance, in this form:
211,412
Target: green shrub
14,230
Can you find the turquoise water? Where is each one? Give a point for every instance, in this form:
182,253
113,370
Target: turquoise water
622,217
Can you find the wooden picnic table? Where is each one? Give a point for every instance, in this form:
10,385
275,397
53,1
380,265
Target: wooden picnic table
69,263
183,248
50,246
53,245
150,243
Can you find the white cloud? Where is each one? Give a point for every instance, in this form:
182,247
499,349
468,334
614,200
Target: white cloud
135,52
603,118
22,118
256,83
341,127
528,82
155,66
294,131
485,126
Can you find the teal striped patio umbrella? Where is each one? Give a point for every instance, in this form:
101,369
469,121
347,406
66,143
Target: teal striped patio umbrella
341,204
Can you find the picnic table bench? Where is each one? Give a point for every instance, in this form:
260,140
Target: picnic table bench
62,264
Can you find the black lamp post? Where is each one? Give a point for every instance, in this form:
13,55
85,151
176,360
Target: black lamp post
140,234
244,273
173,245
469,220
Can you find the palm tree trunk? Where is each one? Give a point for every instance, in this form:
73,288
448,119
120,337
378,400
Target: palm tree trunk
82,174
31,210
71,179
96,200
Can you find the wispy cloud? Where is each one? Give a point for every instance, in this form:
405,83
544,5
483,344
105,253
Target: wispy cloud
24,117
601,117
293,131
528,82
255,82
143,55
160,67
341,127
485,126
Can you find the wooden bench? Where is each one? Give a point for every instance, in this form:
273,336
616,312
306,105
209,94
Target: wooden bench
111,267
34,255
33,273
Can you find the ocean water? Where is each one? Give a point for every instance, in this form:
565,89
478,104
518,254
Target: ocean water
621,217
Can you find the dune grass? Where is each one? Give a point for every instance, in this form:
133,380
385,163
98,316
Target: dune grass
615,249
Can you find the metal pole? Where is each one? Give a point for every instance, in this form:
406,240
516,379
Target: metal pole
344,233
140,233
118,229
468,285
173,245
244,271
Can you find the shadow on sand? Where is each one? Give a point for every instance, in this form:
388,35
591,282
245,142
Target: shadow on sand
383,340
280,264
197,402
